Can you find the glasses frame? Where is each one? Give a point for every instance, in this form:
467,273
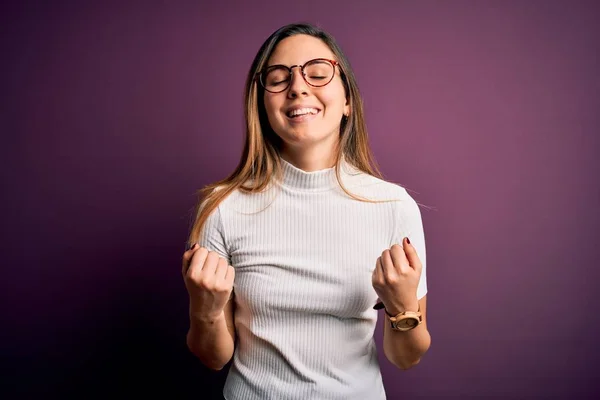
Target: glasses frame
262,73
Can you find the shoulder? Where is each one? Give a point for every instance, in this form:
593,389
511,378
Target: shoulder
374,188
242,202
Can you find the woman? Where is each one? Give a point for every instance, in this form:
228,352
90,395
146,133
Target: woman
291,251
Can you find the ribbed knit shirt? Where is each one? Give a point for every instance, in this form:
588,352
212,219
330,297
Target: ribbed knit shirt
304,254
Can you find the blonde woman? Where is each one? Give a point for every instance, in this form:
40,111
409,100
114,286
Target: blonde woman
290,253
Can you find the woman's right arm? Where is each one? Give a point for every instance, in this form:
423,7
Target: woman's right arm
209,281
212,339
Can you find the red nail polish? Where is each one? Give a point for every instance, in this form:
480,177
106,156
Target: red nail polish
407,240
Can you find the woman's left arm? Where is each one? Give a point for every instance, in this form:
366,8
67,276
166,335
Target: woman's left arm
405,349
399,278
396,280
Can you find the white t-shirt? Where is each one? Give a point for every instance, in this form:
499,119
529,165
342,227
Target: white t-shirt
304,253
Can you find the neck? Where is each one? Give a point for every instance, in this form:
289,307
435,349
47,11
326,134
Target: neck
311,159
315,180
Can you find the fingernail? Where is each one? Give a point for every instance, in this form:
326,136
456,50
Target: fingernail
378,306
407,240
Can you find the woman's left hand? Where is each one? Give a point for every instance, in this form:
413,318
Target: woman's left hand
396,278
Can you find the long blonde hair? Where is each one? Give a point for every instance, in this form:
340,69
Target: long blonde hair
260,162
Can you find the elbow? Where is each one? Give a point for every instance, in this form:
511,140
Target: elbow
211,363
216,367
407,365
404,363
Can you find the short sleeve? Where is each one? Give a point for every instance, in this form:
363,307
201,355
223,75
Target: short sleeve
409,224
213,235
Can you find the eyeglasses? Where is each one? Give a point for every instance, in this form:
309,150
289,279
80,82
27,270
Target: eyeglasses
317,73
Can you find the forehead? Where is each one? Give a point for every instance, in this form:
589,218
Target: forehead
298,49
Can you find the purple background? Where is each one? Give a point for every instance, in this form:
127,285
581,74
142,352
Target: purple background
114,115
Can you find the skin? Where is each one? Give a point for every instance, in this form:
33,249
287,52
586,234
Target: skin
395,280
307,145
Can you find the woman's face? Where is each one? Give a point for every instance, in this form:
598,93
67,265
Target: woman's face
328,103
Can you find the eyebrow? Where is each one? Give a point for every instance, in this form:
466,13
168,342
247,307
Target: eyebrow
310,59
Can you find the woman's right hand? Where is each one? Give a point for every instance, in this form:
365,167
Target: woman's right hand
209,282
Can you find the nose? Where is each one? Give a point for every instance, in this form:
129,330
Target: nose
298,85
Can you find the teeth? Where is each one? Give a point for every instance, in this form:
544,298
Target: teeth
302,111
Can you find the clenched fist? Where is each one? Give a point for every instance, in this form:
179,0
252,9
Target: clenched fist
396,278
209,282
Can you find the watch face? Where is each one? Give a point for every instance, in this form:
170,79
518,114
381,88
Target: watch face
407,323
411,322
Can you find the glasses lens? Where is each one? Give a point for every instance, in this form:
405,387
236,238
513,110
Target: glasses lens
276,79
319,72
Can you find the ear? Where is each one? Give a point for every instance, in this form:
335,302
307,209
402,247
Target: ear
347,109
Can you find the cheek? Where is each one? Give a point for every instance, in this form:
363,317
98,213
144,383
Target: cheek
272,107
334,100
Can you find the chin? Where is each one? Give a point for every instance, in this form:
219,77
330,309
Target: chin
304,137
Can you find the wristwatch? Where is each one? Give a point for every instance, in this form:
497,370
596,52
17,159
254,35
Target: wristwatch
404,321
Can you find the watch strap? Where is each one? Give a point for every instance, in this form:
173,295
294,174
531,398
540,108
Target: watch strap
380,305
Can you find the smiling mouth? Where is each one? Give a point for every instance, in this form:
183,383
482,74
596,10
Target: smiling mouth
302,112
